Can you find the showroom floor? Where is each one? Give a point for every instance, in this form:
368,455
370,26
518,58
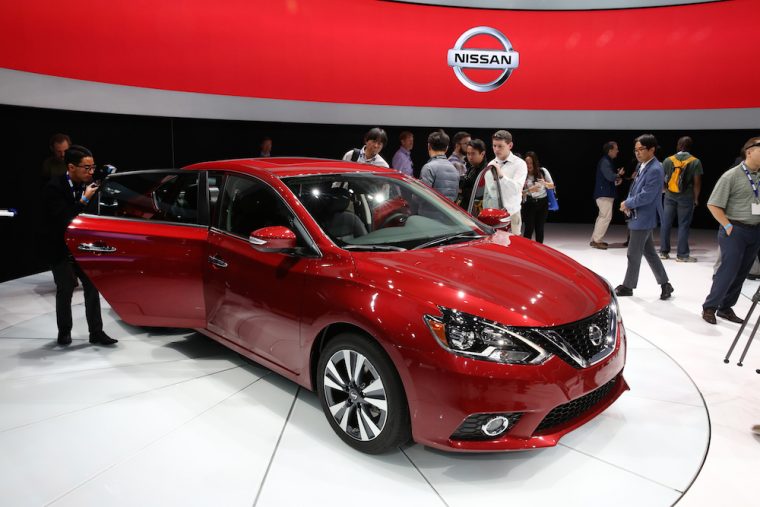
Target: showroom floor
169,417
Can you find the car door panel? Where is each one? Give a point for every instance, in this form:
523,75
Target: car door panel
153,276
255,299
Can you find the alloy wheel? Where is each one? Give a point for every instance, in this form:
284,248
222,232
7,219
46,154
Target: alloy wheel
355,395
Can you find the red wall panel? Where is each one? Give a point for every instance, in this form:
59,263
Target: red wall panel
372,52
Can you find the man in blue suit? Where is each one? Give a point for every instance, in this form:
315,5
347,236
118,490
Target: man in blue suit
642,207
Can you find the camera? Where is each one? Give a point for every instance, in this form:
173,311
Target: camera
101,172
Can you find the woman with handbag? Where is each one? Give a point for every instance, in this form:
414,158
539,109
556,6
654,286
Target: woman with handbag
535,207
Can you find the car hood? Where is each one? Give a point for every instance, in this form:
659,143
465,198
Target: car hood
504,277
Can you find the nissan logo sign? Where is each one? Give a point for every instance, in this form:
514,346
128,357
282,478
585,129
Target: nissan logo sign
505,60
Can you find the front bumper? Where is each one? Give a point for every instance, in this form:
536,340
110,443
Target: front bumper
447,389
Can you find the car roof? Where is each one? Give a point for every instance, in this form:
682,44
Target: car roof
283,167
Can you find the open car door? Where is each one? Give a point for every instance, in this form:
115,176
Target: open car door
145,248
486,199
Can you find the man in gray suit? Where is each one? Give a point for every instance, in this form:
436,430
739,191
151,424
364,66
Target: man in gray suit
642,207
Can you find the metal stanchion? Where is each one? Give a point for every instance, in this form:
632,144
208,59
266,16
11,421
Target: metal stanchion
755,300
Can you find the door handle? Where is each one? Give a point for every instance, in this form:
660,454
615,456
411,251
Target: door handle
216,261
95,247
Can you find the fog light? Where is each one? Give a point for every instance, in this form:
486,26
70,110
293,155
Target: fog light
495,426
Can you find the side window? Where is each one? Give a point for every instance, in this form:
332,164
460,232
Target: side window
248,204
159,196
486,193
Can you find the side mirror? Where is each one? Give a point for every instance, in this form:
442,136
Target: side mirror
494,217
276,239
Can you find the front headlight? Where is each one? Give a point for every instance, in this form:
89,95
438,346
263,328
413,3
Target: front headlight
470,336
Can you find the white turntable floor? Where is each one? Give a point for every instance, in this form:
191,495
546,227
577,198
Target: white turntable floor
169,417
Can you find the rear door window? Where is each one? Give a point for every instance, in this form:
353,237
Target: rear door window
152,195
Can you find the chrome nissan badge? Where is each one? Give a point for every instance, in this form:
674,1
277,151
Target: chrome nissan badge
507,59
595,335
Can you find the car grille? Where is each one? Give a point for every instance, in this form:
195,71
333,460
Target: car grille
576,335
470,429
576,408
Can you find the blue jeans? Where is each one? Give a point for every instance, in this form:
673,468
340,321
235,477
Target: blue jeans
683,206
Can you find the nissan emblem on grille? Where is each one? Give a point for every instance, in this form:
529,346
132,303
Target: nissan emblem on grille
595,335
505,59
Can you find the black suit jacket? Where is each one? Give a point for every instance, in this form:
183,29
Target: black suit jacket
61,206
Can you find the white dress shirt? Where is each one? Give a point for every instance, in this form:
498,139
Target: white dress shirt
512,174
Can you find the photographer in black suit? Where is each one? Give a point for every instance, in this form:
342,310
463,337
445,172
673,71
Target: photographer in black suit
65,197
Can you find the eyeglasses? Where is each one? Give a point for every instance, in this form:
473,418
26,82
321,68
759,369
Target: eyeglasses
636,150
88,168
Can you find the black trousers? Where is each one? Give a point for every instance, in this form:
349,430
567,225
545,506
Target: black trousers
65,273
737,253
534,213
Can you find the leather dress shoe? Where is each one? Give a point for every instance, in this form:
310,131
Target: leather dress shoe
729,315
667,290
101,338
708,314
622,290
64,338
599,245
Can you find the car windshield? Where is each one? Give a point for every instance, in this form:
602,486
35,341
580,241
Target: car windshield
382,213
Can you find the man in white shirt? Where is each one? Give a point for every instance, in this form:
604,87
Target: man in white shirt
374,140
512,174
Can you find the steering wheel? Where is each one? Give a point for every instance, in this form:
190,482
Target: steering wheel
398,217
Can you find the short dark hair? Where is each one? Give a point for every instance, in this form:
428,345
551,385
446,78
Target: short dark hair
749,144
75,154
478,145
376,134
459,136
404,134
609,145
684,144
502,135
438,140
59,138
648,141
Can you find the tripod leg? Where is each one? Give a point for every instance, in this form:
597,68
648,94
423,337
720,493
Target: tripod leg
741,330
749,342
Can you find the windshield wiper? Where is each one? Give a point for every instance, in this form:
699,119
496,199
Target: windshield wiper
452,237
375,248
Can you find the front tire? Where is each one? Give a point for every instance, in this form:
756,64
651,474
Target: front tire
362,395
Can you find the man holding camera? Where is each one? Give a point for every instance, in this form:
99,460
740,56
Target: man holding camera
65,197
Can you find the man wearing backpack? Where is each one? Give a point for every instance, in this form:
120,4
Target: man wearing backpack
374,140
683,181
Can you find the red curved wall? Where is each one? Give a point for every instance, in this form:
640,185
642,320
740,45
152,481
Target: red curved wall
386,53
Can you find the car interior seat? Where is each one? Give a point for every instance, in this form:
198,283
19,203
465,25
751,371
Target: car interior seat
340,223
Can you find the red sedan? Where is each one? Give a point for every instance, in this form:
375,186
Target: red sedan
409,317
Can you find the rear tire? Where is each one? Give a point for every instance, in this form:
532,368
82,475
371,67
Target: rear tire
362,395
